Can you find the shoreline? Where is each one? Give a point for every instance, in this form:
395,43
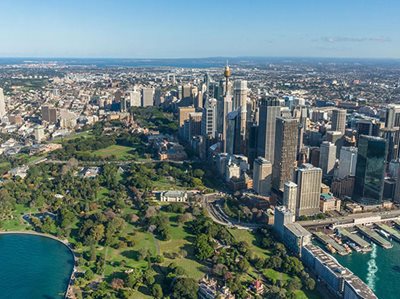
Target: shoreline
64,242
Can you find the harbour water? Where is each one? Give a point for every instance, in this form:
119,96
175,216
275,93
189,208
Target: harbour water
379,269
33,267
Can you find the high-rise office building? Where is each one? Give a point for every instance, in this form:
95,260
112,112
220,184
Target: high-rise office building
68,119
232,137
262,176
183,116
392,136
186,91
392,116
285,152
209,122
327,158
2,104
195,124
147,96
198,102
290,196
239,94
370,170
49,114
134,98
396,196
347,162
339,120
309,180
269,110
38,133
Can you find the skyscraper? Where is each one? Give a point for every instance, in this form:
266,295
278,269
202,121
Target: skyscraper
240,103
147,96
262,176
285,152
309,180
392,116
347,162
269,110
392,136
134,98
2,104
370,170
49,114
239,94
327,157
195,124
232,138
290,196
339,120
209,122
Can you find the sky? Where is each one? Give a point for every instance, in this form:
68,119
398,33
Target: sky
202,28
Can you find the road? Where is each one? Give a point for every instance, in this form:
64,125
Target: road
115,162
212,204
349,218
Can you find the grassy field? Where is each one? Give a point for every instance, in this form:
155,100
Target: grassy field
179,242
249,238
72,136
119,151
16,222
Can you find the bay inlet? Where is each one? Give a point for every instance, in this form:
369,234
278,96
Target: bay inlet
34,266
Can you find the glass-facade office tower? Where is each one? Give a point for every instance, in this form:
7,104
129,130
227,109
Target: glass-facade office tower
370,170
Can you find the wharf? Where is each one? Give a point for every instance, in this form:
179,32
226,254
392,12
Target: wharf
364,245
328,241
397,223
373,235
393,233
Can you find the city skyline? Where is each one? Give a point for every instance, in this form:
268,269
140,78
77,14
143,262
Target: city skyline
122,29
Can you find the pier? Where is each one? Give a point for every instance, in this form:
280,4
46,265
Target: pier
374,236
393,233
329,242
364,245
397,223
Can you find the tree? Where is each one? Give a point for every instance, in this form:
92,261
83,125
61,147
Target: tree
294,284
184,288
198,173
157,291
310,284
133,278
243,265
117,283
203,248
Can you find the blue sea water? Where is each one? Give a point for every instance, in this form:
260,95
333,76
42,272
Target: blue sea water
33,267
379,269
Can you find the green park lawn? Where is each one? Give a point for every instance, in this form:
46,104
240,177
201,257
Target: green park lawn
119,151
249,238
72,136
147,241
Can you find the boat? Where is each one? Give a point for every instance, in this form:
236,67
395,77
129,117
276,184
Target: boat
330,248
383,233
348,249
354,246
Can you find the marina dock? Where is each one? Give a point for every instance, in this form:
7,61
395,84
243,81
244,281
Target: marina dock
374,236
397,223
364,245
393,233
330,243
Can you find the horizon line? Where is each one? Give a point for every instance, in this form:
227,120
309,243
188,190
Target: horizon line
200,57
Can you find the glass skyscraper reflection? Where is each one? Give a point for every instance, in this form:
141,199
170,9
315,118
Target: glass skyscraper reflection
370,170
